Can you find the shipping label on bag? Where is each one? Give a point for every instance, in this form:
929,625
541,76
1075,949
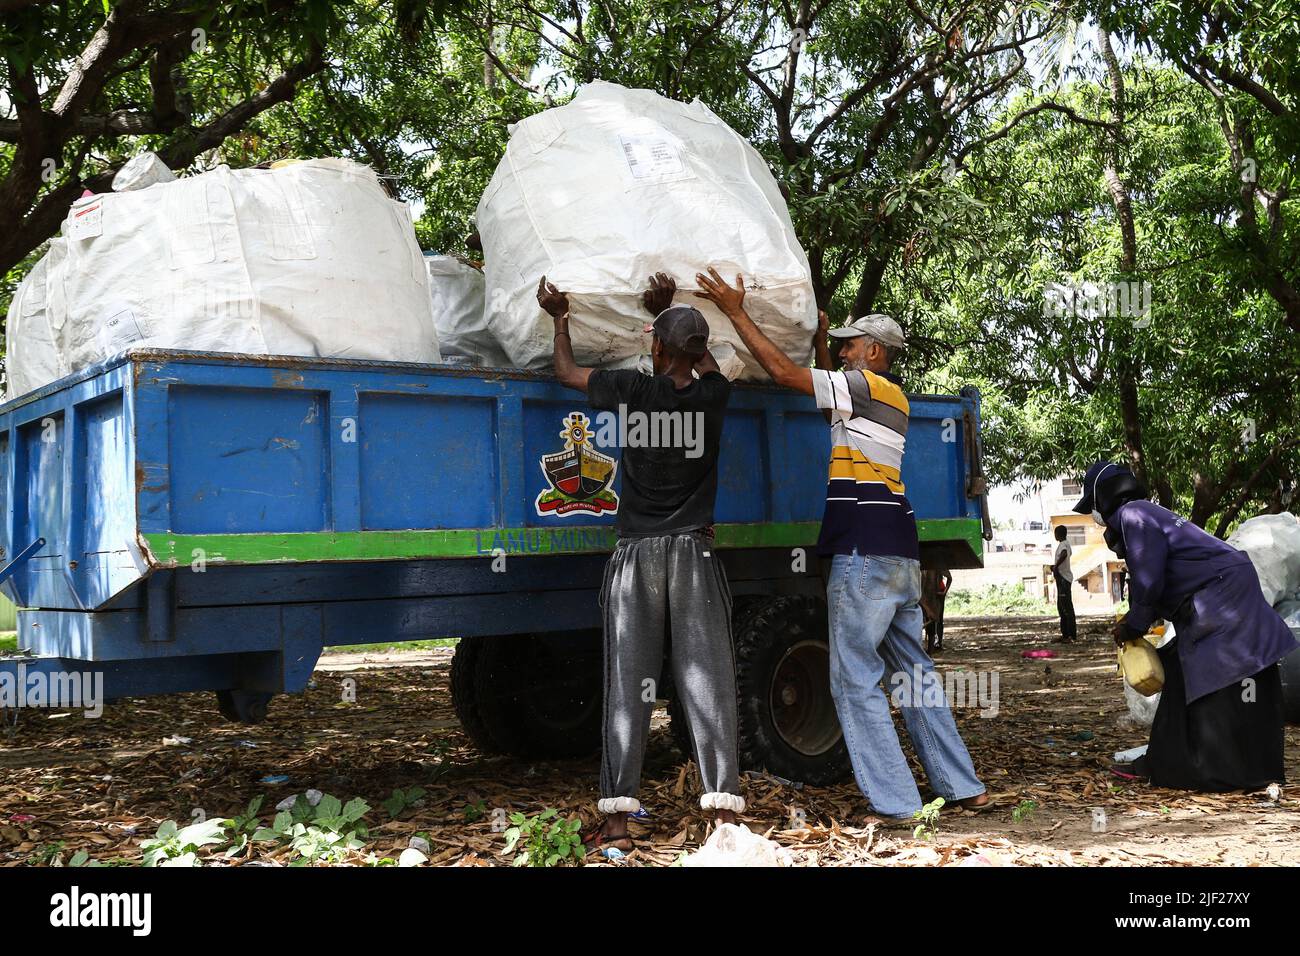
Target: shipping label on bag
86,221
118,330
652,156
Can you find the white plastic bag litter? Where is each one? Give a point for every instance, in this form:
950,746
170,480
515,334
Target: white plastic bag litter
614,186
1289,609
456,289
311,258
1273,544
1141,709
734,844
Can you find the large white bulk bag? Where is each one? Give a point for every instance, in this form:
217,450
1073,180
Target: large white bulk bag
31,353
1273,544
729,363
456,289
614,186
310,258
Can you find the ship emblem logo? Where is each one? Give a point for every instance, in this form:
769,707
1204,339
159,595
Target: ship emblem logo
580,477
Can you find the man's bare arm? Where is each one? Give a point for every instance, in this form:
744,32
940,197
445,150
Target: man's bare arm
822,345
556,304
730,301
822,351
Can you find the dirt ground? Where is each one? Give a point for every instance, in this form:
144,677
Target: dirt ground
104,785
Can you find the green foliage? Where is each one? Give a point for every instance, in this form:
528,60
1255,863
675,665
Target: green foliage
326,833
928,820
1023,810
401,800
178,846
546,839
993,601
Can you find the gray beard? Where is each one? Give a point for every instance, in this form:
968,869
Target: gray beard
859,366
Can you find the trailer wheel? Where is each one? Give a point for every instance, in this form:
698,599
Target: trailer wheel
742,608
464,699
243,706
788,725
540,695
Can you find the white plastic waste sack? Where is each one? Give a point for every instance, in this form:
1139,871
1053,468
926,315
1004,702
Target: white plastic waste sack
734,844
140,172
601,193
31,353
1273,544
456,289
310,259
724,353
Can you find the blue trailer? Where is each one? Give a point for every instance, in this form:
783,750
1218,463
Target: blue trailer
180,521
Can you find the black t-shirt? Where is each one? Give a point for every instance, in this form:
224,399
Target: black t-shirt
670,453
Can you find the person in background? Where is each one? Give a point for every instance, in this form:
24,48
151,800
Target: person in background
934,593
1219,724
874,587
1064,577
664,571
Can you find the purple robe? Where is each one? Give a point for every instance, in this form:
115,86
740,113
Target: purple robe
1208,589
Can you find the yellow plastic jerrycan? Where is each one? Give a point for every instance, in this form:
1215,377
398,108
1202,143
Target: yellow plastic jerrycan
1141,667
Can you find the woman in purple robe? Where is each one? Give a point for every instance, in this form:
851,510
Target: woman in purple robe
1219,725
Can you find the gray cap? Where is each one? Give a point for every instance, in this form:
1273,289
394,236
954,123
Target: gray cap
684,328
877,325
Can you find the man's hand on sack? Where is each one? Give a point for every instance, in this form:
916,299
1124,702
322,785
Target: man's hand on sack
659,295
730,300
554,302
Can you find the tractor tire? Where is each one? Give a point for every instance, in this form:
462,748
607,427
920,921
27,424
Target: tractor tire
464,700
243,706
541,695
788,724
742,608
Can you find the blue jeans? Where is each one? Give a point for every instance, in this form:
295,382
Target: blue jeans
875,623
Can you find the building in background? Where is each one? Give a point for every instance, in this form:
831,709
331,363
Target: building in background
1024,519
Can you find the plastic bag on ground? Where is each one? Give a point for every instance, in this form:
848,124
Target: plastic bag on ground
1273,544
456,289
614,186
734,844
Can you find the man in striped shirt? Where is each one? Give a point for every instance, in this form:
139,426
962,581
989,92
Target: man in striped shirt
874,587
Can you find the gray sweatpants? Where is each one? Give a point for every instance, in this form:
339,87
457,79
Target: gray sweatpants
651,584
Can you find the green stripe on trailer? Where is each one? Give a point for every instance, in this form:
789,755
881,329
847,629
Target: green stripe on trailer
172,550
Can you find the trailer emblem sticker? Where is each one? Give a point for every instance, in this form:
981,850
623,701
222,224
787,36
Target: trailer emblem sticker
580,477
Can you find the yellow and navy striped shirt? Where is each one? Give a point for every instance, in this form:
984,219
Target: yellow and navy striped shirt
866,509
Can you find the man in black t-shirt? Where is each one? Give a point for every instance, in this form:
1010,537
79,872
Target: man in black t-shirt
664,571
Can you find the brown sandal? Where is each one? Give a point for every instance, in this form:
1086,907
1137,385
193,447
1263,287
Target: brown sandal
597,839
889,823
